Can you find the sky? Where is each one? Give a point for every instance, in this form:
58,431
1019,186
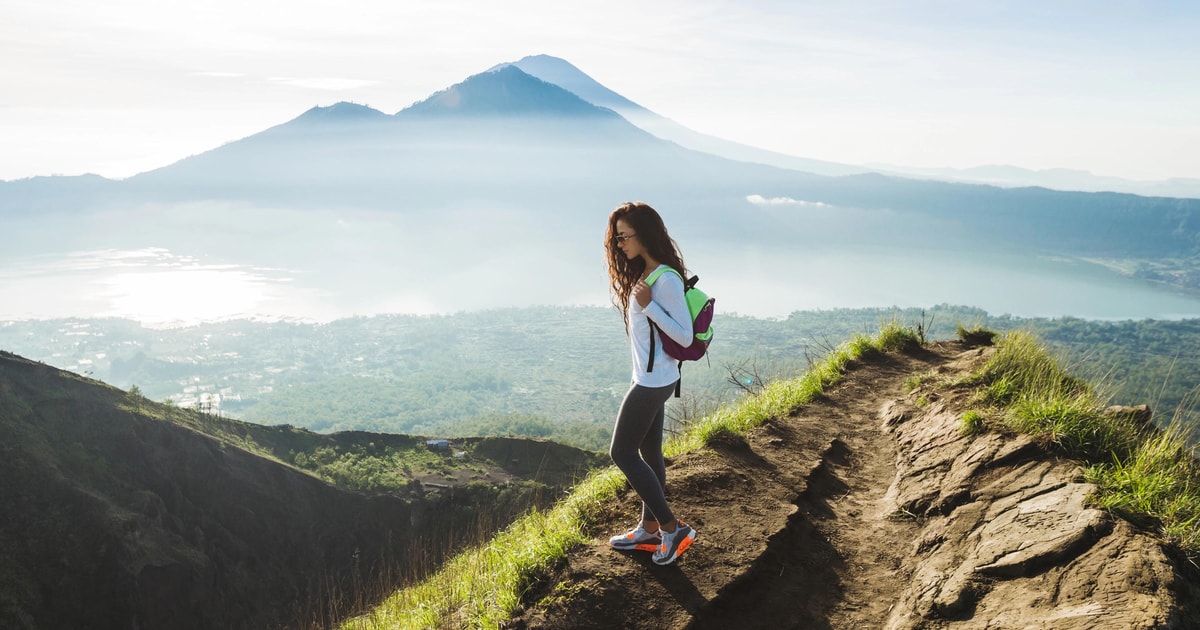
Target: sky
1112,87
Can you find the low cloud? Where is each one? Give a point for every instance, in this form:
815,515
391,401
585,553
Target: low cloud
323,83
759,200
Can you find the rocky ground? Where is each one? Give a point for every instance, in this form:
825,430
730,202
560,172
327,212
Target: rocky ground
869,509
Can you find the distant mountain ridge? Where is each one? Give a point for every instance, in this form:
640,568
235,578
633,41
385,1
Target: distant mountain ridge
562,73
508,137
1054,178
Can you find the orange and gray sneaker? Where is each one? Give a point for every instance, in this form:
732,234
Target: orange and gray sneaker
637,539
674,543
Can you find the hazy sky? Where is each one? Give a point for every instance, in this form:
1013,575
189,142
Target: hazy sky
123,86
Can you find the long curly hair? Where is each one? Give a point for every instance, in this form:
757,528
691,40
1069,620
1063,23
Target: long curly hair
624,272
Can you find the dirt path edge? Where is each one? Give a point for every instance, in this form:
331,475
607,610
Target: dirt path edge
868,508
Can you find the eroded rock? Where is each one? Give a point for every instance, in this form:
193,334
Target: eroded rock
1008,539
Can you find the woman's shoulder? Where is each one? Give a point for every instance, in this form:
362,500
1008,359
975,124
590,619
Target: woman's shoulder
667,273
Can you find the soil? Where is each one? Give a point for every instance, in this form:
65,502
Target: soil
824,520
791,528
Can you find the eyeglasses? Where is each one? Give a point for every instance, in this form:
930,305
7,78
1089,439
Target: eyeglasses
621,238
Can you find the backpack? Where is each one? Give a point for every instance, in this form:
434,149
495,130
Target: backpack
700,308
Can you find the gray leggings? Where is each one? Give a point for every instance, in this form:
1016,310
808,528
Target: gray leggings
637,448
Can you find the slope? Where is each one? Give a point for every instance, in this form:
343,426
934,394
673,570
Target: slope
869,509
119,512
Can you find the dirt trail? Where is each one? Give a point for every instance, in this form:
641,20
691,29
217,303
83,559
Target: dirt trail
870,508
794,530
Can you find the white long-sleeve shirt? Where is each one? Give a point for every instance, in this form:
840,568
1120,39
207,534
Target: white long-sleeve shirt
668,309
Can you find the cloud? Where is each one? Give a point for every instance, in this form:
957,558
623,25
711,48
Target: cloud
323,83
759,200
221,75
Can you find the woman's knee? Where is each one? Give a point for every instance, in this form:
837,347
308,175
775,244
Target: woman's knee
620,455
626,457
653,458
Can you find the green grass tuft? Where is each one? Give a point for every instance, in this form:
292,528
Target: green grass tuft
1042,399
915,381
895,337
976,335
1158,481
1022,367
971,423
1148,475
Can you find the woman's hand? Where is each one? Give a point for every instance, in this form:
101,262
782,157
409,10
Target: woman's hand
641,293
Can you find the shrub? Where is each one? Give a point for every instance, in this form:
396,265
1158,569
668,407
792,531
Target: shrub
895,337
976,336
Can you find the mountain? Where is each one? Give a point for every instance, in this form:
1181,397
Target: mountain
563,74
498,135
507,140
494,176
1054,178
506,91
342,113
53,194
123,513
560,72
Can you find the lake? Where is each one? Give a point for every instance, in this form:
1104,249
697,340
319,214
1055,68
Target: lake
162,287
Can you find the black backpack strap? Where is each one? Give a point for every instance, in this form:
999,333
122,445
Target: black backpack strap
650,363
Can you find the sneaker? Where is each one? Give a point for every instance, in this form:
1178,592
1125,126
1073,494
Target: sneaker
674,543
637,539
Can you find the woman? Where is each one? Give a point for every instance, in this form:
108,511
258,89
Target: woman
637,243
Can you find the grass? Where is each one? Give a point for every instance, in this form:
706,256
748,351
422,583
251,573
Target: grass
1040,398
915,381
1150,476
976,335
971,423
1158,483
481,587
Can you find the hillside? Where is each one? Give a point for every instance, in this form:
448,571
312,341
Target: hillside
869,507
120,512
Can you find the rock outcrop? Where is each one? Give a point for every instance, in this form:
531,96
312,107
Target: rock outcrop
1007,537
